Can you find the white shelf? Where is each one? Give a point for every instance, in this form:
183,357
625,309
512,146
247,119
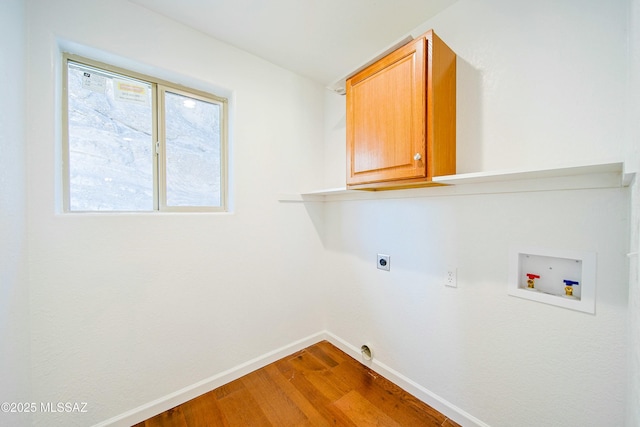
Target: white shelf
515,175
602,175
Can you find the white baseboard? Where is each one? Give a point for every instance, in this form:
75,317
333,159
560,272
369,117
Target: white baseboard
185,394
439,404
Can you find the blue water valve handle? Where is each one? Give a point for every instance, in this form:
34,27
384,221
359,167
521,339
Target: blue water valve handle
570,282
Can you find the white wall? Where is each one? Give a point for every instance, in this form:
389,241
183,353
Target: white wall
14,297
128,308
540,84
633,155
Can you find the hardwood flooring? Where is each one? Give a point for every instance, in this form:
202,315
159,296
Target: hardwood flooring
317,386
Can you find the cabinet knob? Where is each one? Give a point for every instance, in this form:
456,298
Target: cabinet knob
417,156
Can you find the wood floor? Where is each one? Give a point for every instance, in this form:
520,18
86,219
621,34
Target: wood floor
317,386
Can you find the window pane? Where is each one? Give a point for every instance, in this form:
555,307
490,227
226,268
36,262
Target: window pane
110,141
192,132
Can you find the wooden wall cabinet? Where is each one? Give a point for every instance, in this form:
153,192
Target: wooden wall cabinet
401,117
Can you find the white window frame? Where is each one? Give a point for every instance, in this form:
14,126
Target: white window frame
158,88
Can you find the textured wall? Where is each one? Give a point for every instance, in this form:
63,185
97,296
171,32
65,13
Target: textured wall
633,401
128,308
14,302
504,360
540,84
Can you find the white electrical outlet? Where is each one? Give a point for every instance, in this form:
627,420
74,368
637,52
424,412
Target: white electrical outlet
451,279
383,262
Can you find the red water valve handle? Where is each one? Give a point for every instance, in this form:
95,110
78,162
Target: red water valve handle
532,276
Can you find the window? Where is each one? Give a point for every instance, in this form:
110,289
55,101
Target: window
134,143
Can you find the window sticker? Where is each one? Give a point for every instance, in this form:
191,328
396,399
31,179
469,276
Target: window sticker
130,91
94,82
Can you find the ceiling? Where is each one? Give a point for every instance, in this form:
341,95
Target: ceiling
324,40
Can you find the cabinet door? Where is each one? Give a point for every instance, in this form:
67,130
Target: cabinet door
386,109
